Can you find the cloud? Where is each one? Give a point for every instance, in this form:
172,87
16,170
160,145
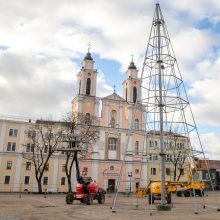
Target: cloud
35,86
103,89
41,41
206,108
211,142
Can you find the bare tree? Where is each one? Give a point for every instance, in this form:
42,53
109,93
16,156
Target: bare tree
43,138
81,133
178,154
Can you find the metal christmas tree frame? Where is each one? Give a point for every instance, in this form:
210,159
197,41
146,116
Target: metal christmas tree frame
168,111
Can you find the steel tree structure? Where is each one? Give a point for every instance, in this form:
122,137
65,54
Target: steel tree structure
164,95
166,104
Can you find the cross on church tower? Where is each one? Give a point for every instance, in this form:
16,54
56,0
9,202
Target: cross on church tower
114,88
132,57
89,47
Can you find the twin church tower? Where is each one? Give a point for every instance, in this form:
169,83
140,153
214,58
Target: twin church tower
114,107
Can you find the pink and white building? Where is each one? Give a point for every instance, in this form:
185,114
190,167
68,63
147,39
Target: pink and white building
121,126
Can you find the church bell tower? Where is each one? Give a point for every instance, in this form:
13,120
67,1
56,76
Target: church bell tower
86,101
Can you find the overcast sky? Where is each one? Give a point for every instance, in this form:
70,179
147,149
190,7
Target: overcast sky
42,44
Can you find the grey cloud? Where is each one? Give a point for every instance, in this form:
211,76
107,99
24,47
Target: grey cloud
34,88
13,67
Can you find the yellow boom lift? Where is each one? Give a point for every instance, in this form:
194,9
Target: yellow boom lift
153,190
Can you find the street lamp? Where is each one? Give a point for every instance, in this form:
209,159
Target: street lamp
130,175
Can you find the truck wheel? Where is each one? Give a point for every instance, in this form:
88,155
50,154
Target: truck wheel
82,200
186,193
192,192
101,198
169,198
89,199
151,199
69,198
179,193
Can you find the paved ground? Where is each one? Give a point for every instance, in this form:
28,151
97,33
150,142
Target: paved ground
36,207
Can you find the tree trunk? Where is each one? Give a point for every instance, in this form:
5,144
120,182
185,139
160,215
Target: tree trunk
69,183
77,165
39,185
69,171
179,176
174,176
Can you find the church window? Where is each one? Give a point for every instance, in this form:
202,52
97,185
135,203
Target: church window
126,94
113,118
87,119
136,124
88,85
136,149
79,86
112,142
134,94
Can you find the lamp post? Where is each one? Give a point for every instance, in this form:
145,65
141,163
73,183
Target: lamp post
130,175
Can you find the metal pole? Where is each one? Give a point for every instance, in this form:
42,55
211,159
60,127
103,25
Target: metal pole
130,175
160,105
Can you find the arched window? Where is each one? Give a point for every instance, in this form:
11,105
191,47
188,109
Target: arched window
126,94
113,118
134,94
79,86
88,85
136,124
87,119
136,149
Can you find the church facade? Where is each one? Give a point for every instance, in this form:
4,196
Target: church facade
121,127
